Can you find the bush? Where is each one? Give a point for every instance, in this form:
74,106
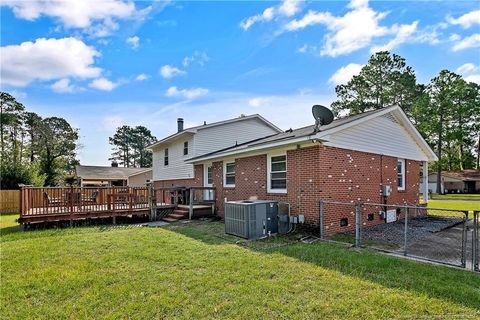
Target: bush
11,175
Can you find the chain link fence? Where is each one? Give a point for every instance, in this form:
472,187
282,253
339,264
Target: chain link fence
440,235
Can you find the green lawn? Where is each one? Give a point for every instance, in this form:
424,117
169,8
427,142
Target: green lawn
467,197
194,271
449,204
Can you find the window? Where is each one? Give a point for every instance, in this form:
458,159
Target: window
165,157
230,174
401,174
277,173
370,217
209,175
343,222
185,148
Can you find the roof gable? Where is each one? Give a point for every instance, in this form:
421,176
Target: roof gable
194,130
404,129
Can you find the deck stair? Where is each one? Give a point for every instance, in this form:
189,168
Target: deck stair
182,212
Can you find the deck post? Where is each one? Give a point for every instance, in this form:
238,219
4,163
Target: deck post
190,208
71,206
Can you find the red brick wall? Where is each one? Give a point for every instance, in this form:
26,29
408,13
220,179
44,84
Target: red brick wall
316,173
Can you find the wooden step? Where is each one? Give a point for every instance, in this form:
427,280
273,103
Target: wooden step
181,212
169,219
176,215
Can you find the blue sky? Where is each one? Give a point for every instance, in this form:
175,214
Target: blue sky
101,64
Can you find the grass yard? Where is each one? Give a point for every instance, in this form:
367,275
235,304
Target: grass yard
449,204
459,197
195,271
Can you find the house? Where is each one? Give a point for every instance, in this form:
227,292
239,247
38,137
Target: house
111,176
170,153
348,160
465,181
140,178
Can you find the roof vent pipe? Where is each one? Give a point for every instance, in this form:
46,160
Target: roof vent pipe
180,124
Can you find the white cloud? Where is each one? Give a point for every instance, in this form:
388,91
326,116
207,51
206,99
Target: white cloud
345,73
287,8
259,101
467,20
189,94
167,71
142,77
472,41
199,57
64,86
133,42
403,33
473,78
348,33
470,72
95,17
454,37
467,68
103,84
47,59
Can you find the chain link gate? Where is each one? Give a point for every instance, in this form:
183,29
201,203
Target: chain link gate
439,235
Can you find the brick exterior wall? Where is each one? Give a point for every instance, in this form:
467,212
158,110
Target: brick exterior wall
315,173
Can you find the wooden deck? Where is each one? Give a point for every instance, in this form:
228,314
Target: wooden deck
78,203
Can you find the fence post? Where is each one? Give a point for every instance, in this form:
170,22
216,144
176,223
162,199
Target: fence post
475,240
464,239
190,208
357,227
405,240
71,205
321,219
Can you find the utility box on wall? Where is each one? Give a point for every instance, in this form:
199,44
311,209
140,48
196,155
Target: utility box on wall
251,219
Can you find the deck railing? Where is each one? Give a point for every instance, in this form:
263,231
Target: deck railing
69,200
70,203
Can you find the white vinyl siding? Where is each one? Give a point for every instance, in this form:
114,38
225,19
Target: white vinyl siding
177,168
381,135
219,137
277,173
205,140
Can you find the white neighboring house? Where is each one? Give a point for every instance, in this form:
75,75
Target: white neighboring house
170,153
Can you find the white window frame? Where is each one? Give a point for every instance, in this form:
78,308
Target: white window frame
187,148
402,187
166,156
225,163
205,174
269,172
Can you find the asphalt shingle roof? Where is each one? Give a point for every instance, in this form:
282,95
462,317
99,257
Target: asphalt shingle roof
106,172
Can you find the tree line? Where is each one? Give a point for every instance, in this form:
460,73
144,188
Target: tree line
129,146
34,150
446,111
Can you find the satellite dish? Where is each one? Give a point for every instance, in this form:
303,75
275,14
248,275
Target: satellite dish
322,115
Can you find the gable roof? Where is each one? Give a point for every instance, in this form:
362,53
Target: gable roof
104,172
308,133
193,130
465,175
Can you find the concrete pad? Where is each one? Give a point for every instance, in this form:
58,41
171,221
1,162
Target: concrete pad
154,224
